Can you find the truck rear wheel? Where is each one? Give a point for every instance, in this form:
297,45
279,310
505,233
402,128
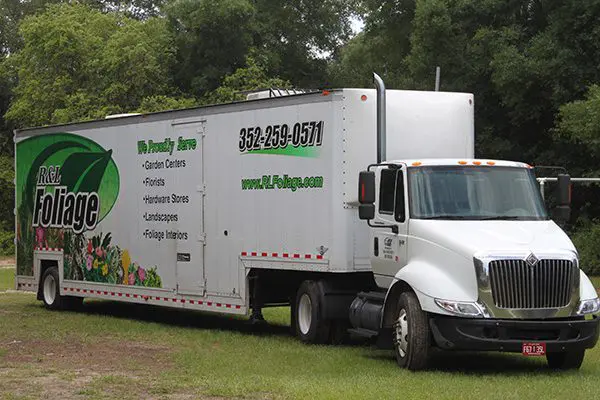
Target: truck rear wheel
51,289
566,359
411,334
311,327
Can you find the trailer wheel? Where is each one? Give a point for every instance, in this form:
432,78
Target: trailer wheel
411,336
51,289
566,359
311,327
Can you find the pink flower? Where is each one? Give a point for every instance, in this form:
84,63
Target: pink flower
40,236
98,252
90,247
88,263
142,273
131,278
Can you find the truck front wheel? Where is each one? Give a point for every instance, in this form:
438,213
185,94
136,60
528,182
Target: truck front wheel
411,334
566,359
310,325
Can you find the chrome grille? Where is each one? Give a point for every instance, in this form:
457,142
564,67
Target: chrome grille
516,284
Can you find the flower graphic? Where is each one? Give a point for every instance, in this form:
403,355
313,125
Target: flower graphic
95,264
104,269
125,262
131,278
142,273
40,237
88,263
99,252
90,247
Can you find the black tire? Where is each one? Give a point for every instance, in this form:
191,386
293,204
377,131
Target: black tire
50,293
50,289
411,335
310,325
566,359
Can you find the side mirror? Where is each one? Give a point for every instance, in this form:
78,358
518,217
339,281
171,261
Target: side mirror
564,190
366,211
562,213
366,187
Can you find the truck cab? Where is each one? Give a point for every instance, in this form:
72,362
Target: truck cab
466,257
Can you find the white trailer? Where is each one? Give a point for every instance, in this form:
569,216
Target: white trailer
230,208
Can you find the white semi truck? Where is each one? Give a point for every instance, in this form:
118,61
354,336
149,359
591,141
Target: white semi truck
232,208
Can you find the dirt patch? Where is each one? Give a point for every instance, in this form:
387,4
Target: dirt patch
103,356
72,368
7,261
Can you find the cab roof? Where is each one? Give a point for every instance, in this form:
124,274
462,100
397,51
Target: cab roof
425,162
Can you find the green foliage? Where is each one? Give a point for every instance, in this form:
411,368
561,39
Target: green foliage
251,77
212,39
94,64
587,241
580,120
162,103
7,243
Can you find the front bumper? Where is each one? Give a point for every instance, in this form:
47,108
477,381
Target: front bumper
454,333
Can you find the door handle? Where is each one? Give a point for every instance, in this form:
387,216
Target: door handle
376,247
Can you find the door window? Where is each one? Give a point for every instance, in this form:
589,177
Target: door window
391,194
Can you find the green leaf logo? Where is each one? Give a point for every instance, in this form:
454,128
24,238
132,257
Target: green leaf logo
85,167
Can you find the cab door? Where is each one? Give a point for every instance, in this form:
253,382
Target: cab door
388,248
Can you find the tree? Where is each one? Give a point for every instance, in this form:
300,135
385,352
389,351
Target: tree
94,64
250,77
212,39
295,38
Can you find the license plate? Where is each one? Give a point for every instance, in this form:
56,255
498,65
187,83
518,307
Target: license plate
533,349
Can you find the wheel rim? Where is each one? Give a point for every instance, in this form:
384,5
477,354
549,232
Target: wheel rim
49,289
401,333
304,313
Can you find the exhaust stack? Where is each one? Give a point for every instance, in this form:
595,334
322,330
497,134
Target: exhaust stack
380,117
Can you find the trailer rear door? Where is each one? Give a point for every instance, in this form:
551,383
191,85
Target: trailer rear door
190,206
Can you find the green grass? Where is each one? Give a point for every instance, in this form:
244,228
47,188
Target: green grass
7,278
126,351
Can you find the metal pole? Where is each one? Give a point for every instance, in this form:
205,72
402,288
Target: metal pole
437,78
381,153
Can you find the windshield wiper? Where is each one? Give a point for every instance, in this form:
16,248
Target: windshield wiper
502,217
446,217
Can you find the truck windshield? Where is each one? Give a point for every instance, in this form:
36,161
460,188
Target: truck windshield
475,193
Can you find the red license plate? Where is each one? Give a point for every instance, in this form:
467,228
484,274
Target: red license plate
533,349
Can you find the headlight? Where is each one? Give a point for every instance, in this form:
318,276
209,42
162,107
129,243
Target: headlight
591,306
464,309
